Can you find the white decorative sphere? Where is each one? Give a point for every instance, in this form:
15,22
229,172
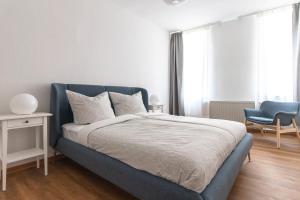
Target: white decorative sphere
23,104
154,100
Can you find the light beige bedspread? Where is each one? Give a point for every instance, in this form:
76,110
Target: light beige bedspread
187,151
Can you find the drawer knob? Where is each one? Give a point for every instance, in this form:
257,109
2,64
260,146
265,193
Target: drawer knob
26,121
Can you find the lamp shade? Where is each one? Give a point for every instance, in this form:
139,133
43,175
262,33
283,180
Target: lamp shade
154,100
23,104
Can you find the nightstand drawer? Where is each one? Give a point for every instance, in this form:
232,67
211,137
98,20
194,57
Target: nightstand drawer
16,123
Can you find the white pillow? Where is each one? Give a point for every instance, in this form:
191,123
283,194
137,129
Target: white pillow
127,104
87,110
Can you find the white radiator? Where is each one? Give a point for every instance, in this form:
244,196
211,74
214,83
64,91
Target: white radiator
230,110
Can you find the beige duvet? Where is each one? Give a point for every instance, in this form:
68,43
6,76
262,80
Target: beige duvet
186,151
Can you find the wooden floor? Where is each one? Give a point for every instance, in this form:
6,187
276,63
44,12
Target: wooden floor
272,174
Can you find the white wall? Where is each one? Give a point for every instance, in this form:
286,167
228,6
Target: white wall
233,61
76,41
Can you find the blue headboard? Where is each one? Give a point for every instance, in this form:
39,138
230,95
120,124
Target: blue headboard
61,110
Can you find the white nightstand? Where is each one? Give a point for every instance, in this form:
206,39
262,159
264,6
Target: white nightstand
10,122
156,108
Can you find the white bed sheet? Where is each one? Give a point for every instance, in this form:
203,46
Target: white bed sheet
71,131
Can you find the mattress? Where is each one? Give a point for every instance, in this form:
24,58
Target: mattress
71,131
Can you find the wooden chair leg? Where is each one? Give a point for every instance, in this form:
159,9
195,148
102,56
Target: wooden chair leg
262,131
278,133
278,139
246,124
296,127
249,157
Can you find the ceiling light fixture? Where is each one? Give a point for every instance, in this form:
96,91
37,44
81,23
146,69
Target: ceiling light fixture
175,2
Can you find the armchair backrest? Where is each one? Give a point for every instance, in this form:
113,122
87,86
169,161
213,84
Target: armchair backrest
270,108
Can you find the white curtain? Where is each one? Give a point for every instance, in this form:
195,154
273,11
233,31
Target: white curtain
296,51
195,72
275,69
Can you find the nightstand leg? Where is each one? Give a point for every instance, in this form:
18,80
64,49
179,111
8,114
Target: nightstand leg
4,154
3,176
55,156
37,144
45,135
1,171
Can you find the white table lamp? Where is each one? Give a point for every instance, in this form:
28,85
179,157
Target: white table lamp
154,100
23,104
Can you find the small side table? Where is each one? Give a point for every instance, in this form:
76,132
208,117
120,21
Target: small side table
11,122
156,108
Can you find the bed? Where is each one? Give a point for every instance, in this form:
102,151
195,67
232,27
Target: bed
139,183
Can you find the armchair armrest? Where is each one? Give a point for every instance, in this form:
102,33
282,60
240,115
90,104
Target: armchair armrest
252,112
285,117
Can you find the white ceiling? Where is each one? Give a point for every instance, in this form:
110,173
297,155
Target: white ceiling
195,12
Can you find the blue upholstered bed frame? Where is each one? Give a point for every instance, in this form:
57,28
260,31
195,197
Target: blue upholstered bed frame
136,182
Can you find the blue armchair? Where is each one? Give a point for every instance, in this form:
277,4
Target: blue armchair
274,115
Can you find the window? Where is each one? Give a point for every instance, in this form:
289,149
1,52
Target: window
275,73
195,71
